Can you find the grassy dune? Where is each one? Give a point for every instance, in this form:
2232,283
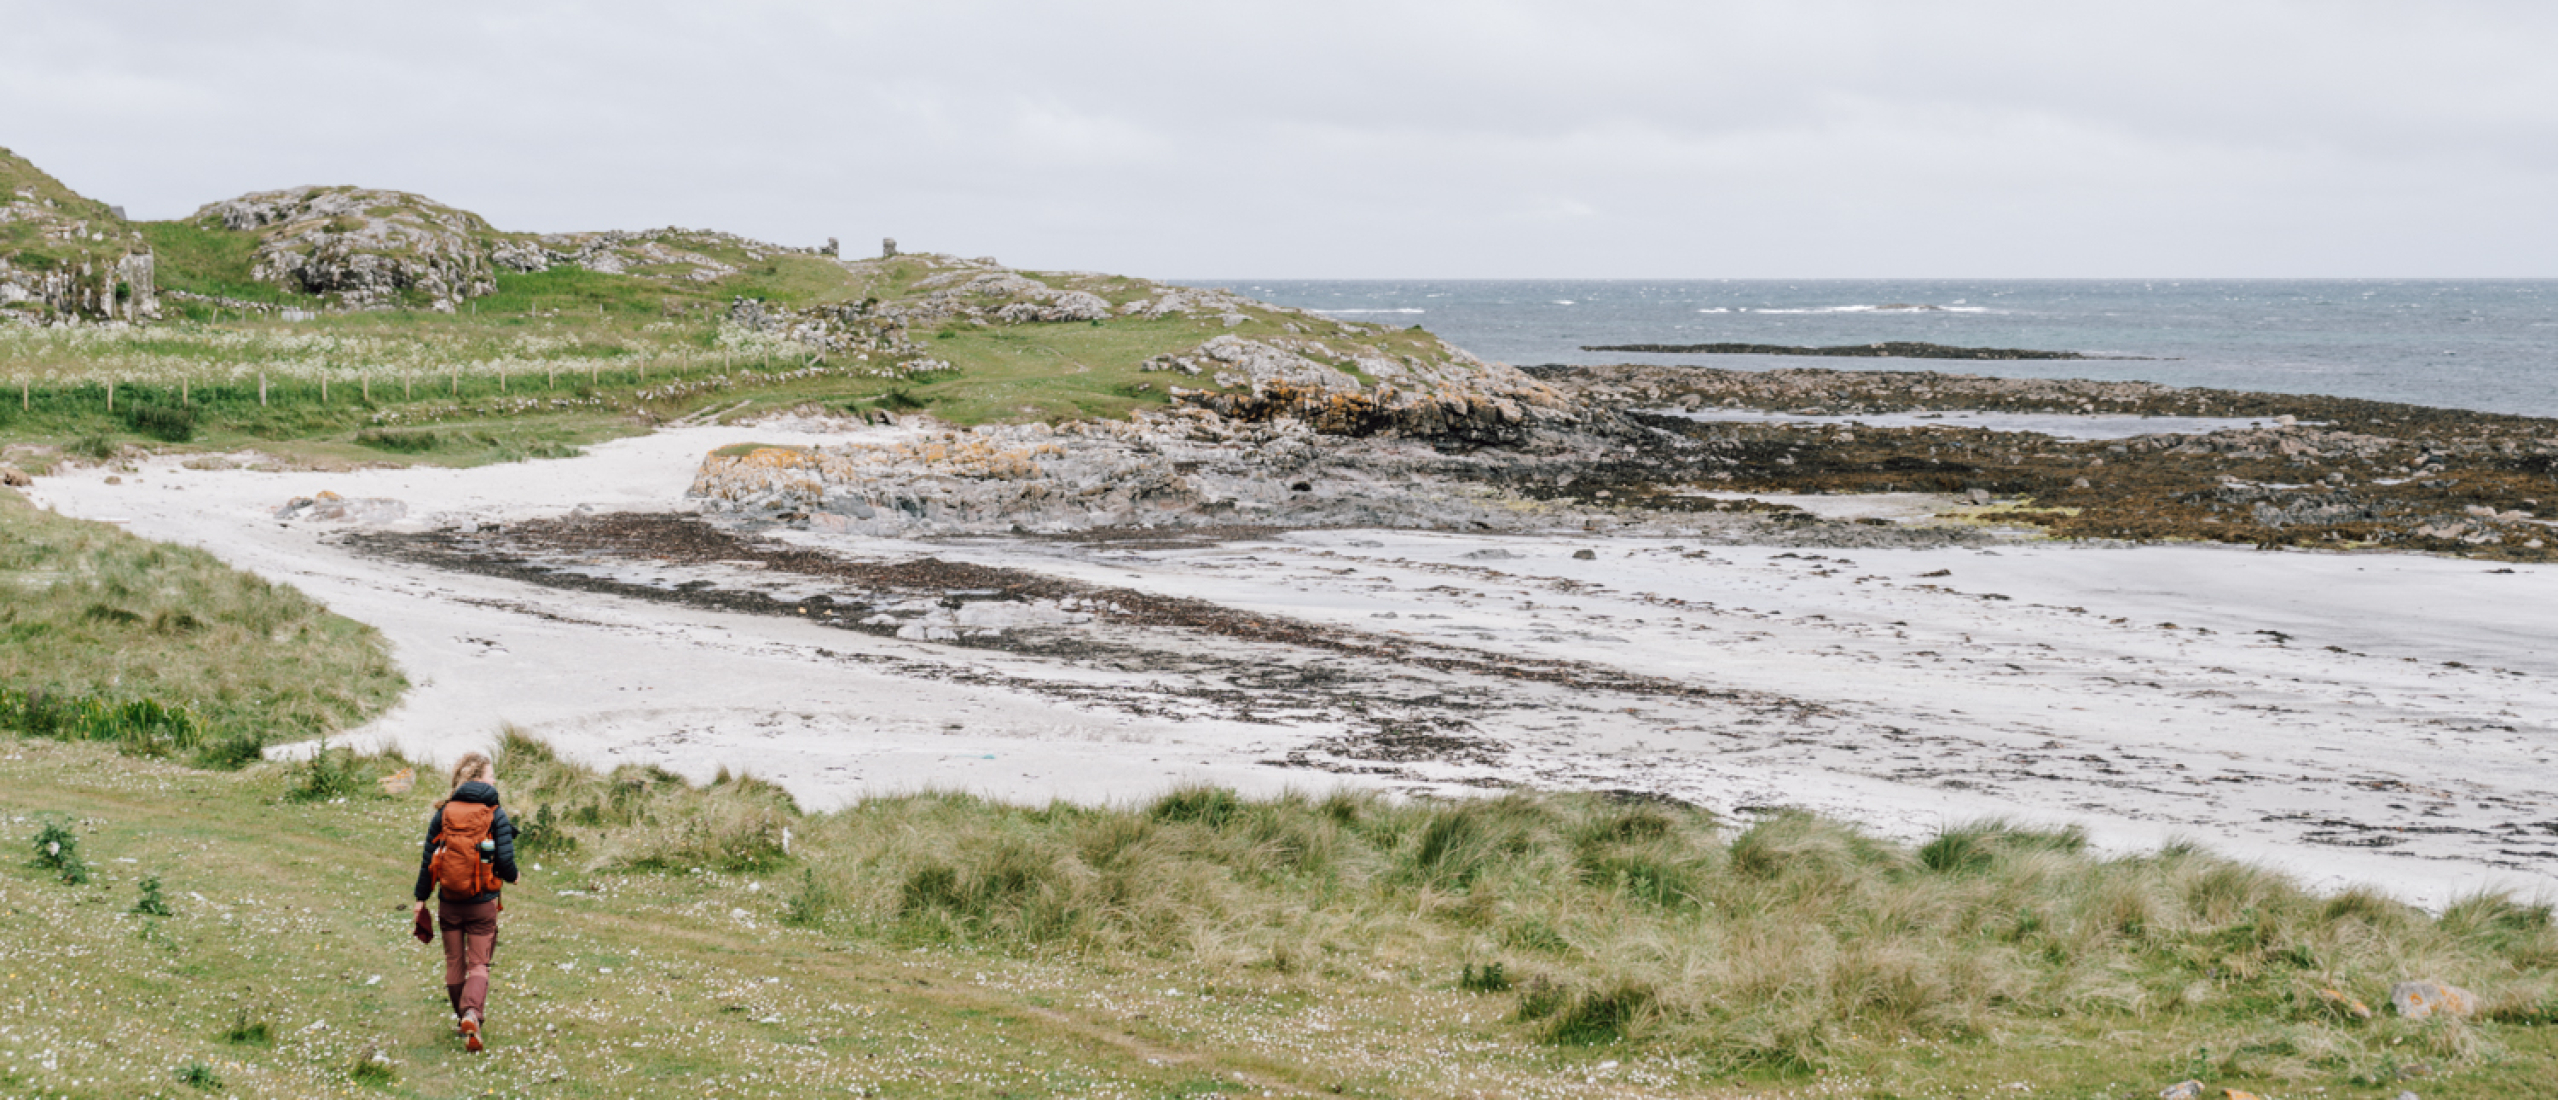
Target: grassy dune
682,940
165,649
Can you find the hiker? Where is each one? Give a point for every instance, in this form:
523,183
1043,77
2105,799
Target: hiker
470,855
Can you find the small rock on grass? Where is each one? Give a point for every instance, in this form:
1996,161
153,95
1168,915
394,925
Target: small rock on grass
2182,1090
2345,1004
2421,999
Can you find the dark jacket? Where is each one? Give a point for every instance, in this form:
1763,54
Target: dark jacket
501,830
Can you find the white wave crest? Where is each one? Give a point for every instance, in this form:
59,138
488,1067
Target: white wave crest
1895,307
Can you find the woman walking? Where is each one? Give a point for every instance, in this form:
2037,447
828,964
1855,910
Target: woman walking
470,855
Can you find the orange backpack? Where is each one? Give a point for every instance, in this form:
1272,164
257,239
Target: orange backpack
456,866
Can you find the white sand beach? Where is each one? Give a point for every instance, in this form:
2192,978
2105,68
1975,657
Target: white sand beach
2381,719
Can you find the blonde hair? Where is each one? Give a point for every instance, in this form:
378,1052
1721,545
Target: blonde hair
473,765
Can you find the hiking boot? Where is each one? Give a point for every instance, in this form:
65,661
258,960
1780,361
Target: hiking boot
471,1033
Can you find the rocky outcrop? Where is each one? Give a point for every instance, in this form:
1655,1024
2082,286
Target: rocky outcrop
1895,349
670,254
1357,389
2260,469
856,330
1182,468
1174,301
1191,468
64,257
980,290
88,287
375,248
1072,305
363,247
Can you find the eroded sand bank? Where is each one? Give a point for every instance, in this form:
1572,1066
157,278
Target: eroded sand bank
2386,719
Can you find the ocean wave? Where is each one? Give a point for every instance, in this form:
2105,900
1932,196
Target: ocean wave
1714,309
1371,311
1565,302
1894,307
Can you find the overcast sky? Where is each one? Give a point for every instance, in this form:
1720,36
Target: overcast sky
1795,138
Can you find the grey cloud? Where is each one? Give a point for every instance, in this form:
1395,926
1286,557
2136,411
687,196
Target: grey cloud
1807,138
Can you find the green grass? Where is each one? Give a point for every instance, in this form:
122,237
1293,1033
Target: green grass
941,945
566,351
210,260
200,385
165,649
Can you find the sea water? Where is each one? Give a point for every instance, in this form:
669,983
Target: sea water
2490,345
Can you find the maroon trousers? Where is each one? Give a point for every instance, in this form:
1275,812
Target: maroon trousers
470,944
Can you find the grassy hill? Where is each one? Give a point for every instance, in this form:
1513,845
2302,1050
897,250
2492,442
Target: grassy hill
64,253
570,354
337,324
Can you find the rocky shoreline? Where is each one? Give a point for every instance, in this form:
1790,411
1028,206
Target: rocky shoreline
2315,471
1897,349
1640,450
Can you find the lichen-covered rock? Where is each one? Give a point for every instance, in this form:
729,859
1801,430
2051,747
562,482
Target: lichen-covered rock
2419,1000
977,290
1187,467
1448,395
1179,300
329,507
65,257
1073,305
369,247
859,330
363,247
687,255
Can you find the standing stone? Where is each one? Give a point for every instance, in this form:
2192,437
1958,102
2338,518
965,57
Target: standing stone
888,248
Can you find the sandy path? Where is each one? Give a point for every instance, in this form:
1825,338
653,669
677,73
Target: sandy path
2419,754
